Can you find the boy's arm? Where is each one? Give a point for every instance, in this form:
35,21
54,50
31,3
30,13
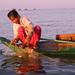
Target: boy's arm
30,32
14,41
30,29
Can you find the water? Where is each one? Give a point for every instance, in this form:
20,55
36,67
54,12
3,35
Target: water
52,22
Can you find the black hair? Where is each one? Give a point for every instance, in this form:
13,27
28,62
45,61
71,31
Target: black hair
13,13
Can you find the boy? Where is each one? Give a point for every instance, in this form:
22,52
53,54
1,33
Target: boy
23,30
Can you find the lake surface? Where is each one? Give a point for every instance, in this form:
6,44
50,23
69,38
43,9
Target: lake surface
52,22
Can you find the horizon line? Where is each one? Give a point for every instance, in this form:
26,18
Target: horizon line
33,8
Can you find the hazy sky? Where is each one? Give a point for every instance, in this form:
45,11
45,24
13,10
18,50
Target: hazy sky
6,4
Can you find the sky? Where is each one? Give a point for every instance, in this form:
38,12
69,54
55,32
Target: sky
39,4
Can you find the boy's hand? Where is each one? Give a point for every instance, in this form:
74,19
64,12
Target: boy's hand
14,41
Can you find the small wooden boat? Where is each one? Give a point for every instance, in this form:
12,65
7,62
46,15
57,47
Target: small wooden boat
47,46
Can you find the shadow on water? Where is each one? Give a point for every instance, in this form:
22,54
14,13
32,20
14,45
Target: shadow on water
29,66
23,63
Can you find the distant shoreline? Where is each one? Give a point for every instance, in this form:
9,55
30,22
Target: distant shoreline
27,9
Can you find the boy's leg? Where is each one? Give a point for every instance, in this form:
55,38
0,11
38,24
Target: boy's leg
36,36
22,35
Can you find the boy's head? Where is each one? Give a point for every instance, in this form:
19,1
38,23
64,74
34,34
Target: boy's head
13,16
